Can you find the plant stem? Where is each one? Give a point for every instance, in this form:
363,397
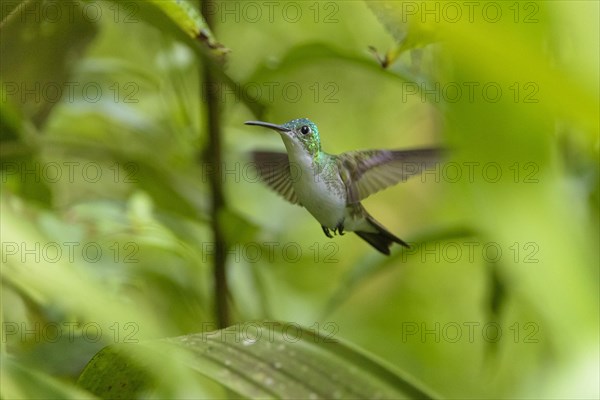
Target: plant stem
213,158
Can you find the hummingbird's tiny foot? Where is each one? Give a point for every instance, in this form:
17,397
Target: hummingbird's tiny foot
326,230
340,228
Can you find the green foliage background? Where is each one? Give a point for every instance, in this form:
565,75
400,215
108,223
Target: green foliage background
149,211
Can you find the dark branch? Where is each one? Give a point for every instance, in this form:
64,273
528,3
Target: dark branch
213,157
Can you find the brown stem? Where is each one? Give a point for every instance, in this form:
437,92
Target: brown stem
213,158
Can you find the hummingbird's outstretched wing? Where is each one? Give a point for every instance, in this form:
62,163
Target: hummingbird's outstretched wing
274,170
369,171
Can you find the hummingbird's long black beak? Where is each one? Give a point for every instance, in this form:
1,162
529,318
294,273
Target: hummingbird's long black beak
276,127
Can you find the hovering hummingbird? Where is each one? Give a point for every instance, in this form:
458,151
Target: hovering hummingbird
331,186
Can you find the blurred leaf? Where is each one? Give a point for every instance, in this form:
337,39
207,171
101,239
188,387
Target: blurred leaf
9,7
23,382
309,53
262,360
11,120
171,191
186,25
22,174
404,21
497,299
19,168
191,21
109,375
186,17
36,64
237,229
375,263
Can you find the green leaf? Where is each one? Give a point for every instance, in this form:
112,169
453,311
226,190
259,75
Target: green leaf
36,63
8,8
237,229
23,382
11,120
260,360
114,376
373,264
186,17
191,21
309,53
405,22
183,23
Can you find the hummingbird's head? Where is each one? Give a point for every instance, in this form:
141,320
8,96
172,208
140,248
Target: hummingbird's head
297,134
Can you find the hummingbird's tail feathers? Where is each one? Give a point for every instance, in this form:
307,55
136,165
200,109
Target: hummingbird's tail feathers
382,239
376,240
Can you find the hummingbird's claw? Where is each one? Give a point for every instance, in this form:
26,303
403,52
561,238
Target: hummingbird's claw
326,230
340,229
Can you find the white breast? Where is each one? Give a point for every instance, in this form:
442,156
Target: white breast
319,192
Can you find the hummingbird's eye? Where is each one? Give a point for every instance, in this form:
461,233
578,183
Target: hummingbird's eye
305,129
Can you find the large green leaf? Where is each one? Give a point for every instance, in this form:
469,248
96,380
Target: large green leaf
260,360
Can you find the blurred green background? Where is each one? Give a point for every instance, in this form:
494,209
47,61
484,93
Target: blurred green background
106,195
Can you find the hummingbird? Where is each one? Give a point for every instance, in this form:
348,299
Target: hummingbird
331,186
